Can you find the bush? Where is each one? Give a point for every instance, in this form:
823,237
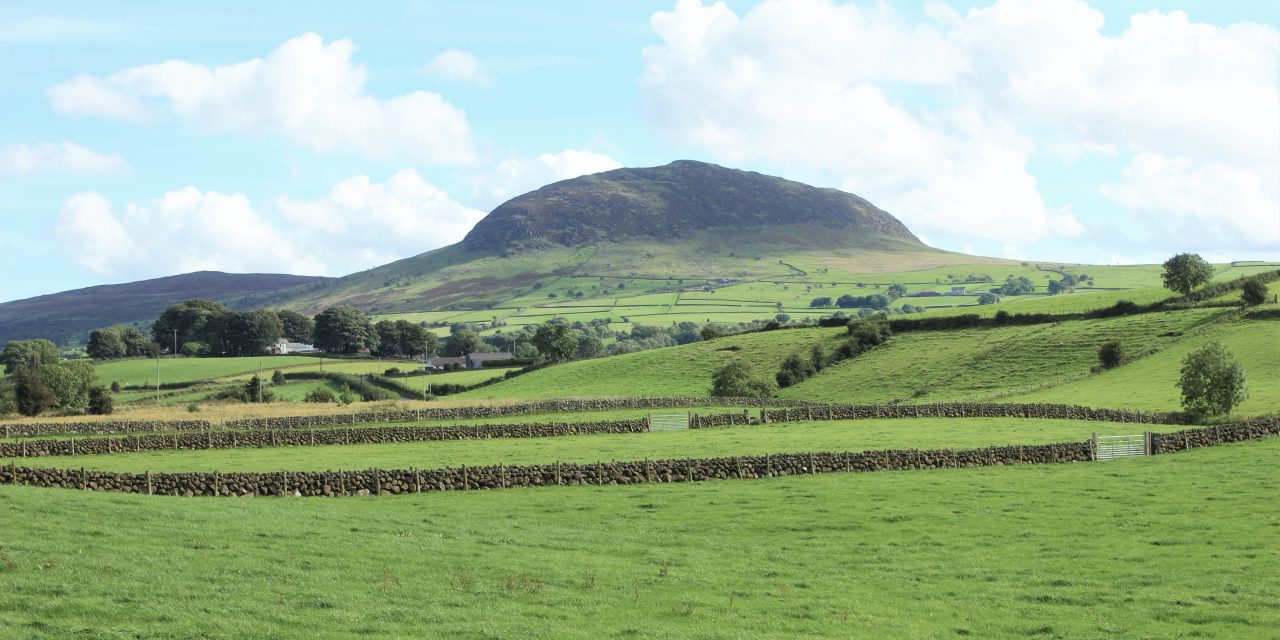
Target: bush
736,380
794,371
1111,354
392,372
1212,382
277,378
320,395
1253,292
869,333
100,402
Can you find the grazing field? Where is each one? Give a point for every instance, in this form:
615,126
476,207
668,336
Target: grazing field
1071,551
672,371
853,435
977,364
142,372
1149,383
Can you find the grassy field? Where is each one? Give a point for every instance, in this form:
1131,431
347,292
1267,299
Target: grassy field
856,435
1167,547
975,364
1149,383
173,370
672,371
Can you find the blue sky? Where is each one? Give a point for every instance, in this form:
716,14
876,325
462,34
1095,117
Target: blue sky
143,139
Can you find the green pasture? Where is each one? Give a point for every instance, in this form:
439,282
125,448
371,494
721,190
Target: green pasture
1171,546
1149,383
143,372
978,364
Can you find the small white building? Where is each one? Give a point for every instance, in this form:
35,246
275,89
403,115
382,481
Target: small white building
959,291
283,347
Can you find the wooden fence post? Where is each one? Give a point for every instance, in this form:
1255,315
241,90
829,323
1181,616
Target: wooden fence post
1093,446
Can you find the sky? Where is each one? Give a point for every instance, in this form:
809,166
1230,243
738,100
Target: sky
139,140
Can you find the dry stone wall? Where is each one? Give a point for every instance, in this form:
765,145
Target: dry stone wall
1209,436
308,437
108,427
399,481
948,410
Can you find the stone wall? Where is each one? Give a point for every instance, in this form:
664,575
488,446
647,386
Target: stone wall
308,437
399,481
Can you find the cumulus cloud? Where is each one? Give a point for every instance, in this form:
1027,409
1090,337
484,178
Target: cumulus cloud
939,120
458,66
518,175
1220,204
58,157
307,91
360,224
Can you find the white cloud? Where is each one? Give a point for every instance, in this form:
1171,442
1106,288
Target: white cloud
380,223
518,175
939,121
58,157
1213,205
458,66
358,225
306,90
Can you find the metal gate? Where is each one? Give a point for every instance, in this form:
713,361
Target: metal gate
1112,447
668,421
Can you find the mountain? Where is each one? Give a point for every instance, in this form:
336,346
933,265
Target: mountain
69,316
673,202
658,226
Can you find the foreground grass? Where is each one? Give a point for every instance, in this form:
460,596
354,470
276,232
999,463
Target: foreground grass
1166,547
857,435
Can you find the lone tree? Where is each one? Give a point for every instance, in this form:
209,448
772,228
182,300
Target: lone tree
735,380
1111,354
1186,271
1253,292
1212,382
556,342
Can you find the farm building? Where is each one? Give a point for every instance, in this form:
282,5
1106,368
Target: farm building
959,291
283,347
466,360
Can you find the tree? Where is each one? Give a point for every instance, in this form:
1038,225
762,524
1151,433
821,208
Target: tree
1254,292
388,338
1111,354
414,340
136,344
70,382
897,290
277,378
1212,381
1058,286
297,327
1186,271
100,402
735,380
988,298
21,354
344,329
1018,286
460,342
106,344
589,346
555,342
31,395
253,390
782,318
254,332
195,321
821,303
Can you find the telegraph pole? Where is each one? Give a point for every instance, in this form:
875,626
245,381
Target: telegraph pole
175,343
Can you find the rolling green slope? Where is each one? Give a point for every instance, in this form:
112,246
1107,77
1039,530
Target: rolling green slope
1149,383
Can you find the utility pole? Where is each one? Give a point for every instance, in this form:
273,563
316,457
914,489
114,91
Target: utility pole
175,343
157,377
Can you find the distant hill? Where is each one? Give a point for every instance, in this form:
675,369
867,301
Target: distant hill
67,317
683,220
674,202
